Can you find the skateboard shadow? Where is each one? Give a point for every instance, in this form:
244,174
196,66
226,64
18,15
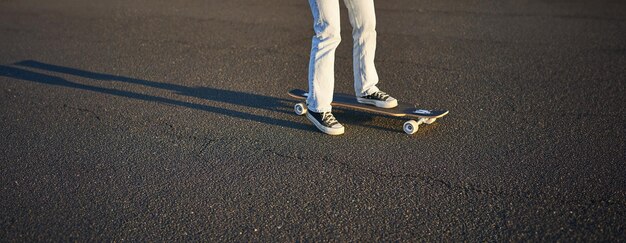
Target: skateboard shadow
367,119
226,96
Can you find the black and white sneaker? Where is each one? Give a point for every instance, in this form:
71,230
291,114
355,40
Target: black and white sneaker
379,99
325,122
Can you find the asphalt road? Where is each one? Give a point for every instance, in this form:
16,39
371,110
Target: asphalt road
169,120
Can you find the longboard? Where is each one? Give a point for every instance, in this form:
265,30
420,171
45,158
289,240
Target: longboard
402,110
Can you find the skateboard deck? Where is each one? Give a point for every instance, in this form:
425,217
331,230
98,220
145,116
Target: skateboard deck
402,110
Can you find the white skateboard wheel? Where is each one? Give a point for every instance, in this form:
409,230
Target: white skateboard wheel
430,121
410,127
300,109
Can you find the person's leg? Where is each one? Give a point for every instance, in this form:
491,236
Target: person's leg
322,65
322,62
363,20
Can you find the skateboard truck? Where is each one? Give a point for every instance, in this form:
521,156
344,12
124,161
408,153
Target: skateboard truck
411,127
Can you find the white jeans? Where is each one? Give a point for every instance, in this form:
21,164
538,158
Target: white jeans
327,37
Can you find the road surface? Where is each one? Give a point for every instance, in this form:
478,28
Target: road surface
169,121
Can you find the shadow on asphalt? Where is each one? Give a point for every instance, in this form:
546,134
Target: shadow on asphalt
226,96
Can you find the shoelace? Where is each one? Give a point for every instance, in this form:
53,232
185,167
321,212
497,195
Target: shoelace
329,119
380,95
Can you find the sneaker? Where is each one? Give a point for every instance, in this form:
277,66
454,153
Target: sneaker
325,122
378,99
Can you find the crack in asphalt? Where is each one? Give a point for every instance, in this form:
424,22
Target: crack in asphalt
424,178
83,110
429,180
503,214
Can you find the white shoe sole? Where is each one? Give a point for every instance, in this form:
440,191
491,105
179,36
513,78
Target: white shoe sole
381,104
324,129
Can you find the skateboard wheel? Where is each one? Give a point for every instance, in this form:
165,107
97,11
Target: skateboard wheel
430,121
300,109
410,127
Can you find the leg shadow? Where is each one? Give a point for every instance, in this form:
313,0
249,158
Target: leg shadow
238,98
219,95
